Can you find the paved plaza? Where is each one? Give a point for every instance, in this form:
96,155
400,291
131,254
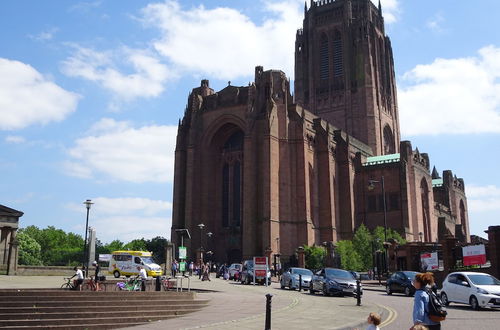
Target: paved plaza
243,306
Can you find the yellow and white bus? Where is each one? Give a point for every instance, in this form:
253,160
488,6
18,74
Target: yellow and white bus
125,263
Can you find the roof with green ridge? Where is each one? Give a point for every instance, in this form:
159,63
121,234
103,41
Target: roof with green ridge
384,159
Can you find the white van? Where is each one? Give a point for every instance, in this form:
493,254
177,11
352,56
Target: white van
126,263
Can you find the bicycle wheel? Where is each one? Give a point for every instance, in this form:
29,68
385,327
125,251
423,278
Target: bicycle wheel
87,287
102,287
67,286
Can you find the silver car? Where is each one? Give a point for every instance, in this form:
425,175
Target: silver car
233,269
290,278
332,281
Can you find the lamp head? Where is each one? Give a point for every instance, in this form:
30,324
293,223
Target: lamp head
88,203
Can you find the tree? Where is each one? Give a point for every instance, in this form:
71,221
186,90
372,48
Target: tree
29,250
114,246
136,245
314,256
157,247
379,237
349,258
362,243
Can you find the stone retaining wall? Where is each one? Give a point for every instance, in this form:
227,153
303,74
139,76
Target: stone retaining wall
44,270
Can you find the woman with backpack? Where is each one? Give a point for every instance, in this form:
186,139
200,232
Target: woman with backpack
421,316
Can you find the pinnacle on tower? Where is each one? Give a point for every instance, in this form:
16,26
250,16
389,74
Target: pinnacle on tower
435,174
379,7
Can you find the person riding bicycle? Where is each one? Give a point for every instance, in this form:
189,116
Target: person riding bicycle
143,276
77,284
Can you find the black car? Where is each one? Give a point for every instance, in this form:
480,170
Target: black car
401,282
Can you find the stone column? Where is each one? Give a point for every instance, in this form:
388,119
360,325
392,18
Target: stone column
330,255
12,259
169,258
199,255
301,257
448,243
268,253
494,249
4,246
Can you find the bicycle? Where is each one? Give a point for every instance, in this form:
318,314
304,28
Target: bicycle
167,284
131,285
91,285
68,285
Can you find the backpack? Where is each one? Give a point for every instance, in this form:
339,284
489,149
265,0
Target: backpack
437,310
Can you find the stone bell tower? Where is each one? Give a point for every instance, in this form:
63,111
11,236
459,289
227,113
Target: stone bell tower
344,71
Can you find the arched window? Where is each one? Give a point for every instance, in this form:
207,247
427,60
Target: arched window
389,147
424,196
232,155
338,69
324,67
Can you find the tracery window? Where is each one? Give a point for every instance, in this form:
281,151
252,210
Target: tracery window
338,69
324,67
389,147
232,156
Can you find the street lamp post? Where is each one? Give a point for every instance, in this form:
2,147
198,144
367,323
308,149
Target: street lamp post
201,226
209,235
88,203
371,186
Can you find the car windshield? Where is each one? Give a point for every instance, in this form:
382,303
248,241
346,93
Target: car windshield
484,280
339,273
410,275
301,271
147,260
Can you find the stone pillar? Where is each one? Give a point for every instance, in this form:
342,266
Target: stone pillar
301,257
12,260
448,244
330,255
4,244
169,258
494,249
268,254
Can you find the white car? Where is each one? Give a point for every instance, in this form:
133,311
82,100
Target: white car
478,290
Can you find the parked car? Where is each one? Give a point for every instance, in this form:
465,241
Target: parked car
478,290
247,274
332,281
233,269
401,282
290,278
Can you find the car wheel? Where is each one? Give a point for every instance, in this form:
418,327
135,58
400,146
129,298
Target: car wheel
325,291
407,292
444,299
281,285
290,286
116,273
473,303
388,290
311,291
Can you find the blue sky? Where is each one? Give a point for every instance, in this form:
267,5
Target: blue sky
91,93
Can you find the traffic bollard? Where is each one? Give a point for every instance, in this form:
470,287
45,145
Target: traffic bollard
268,311
358,293
158,283
300,283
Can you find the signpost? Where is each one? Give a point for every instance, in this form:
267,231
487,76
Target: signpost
182,252
474,255
429,261
260,268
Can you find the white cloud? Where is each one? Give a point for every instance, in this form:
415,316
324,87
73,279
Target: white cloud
27,97
44,35
483,198
223,42
452,96
435,23
117,151
147,79
390,10
15,139
127,218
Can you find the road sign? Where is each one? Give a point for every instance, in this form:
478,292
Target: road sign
182,252
260,266
474,255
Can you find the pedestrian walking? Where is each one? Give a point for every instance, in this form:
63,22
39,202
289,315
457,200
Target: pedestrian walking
96,275
191,268
143,277
421,302
174,268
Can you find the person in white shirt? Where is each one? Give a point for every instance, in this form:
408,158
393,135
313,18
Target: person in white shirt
77,283
143,276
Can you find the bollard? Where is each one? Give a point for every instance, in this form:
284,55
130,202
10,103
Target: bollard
358,293
268,311
300,282
158,283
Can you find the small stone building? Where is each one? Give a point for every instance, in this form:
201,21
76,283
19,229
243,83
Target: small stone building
9,223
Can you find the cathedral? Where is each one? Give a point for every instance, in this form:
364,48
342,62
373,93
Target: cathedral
266,171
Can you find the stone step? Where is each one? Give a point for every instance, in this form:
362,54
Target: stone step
98,302
81,321
59,293
95,296
85,314
76,326
111,308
